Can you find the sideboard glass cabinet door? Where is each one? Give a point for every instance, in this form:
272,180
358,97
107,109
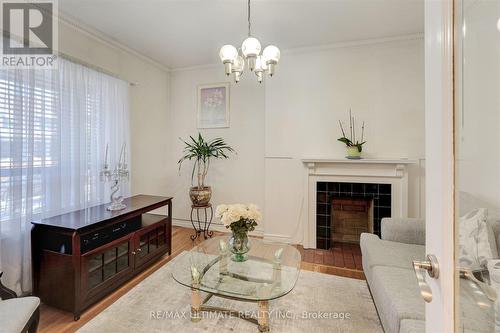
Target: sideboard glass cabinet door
107,264
149,242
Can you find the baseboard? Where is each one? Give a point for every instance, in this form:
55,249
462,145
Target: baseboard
214,227
278,238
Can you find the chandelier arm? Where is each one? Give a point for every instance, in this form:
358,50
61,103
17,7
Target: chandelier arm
249,24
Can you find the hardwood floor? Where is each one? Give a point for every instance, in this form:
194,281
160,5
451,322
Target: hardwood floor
53,320
342,259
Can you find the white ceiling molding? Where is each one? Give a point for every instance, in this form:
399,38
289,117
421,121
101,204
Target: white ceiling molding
195,68
319,48
106,39
354,43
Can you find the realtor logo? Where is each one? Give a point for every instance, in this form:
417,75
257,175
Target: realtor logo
29,34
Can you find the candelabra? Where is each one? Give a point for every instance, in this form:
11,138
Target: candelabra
116,176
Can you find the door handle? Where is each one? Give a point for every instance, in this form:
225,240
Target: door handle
485,288
432,267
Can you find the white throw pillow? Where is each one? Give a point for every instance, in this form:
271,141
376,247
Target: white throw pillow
477,242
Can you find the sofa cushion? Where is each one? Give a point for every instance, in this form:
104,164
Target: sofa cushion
377,252
468,202
477,241
396,295
403,230
476,311
412,326
16,312
418,326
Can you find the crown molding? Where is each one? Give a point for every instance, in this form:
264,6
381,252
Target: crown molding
354,43
319,48
195,67
106,39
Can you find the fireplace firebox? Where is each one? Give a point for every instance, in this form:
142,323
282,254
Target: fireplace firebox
345,210
351,216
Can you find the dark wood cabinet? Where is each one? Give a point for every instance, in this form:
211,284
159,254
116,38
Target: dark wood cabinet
80,257
150,240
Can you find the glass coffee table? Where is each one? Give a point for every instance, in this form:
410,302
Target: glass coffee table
270,272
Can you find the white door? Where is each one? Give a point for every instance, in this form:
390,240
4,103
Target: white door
463,164
439,161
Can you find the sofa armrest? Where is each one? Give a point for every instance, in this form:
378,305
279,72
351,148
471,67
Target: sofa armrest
6,293
403,230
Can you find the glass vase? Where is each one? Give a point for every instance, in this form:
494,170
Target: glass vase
239,245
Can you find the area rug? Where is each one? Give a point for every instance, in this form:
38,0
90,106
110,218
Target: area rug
318,303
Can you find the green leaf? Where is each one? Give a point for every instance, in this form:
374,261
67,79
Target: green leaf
360,146
346,141
203,150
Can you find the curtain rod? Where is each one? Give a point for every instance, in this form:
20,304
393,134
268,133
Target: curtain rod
94,67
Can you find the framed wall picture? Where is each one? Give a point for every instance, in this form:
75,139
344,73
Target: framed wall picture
213,105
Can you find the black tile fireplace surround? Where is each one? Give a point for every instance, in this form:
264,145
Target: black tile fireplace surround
325,191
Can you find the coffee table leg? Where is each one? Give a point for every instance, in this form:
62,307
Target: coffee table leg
263,318
195,305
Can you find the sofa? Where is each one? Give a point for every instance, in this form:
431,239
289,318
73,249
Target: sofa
387,264
18,314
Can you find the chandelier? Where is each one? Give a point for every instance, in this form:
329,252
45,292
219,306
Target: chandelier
234,59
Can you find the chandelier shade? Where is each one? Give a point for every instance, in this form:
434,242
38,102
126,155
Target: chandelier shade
271,53
250,52
251,47
228,55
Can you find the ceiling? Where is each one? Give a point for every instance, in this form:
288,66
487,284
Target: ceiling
183,33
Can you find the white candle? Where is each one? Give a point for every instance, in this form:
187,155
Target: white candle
124,155
106,157
121,155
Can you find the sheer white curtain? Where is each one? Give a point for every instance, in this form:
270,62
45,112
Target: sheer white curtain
54,128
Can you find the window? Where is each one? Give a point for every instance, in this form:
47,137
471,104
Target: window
32,133
54,126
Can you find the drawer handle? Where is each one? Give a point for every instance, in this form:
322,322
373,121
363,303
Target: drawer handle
432,268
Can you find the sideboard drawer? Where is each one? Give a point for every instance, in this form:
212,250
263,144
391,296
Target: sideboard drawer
97,238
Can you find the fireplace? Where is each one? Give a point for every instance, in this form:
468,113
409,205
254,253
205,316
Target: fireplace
341,208
350,217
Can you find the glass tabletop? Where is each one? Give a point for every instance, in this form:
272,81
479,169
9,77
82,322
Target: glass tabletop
270,271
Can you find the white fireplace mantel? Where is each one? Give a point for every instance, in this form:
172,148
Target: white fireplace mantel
378,171
361,167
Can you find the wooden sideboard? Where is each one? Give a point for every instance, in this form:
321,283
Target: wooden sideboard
80,257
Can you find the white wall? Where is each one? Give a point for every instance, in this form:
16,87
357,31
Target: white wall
273,125
383,83
239,179
295,115
149,112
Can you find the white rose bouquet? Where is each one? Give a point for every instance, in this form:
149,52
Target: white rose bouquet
239,218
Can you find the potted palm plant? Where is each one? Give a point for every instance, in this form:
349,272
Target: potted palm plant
202,151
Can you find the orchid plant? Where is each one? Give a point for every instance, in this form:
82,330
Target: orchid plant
351,140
